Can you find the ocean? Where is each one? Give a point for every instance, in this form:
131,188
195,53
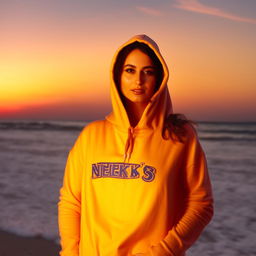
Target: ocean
33,156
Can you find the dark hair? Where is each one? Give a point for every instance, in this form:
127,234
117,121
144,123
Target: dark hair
121,57
174,125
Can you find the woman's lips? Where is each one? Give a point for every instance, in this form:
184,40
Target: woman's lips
138,91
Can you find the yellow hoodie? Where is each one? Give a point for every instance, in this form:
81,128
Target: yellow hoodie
127,191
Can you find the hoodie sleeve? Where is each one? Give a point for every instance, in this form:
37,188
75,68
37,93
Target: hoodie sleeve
199,206
70,204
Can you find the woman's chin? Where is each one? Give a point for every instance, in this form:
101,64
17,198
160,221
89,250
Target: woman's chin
138,100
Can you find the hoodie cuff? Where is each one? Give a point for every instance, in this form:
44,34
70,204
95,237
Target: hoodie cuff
160,249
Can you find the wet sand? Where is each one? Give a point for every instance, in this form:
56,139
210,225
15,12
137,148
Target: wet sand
13,245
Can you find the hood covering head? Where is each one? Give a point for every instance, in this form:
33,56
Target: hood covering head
157,109
160,104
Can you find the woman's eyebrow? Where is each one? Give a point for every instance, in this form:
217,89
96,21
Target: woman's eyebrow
130,65
133,66
153,67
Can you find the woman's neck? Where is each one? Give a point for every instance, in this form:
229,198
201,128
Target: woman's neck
134,111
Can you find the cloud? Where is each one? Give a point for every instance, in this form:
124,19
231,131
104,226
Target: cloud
149,11
196,6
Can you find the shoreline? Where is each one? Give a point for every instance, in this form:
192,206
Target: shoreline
15,245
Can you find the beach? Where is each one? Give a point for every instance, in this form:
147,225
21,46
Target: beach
33,157
13,245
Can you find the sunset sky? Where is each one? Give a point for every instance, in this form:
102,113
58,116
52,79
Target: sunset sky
55,55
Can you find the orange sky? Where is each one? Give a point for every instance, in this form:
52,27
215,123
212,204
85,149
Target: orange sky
55,57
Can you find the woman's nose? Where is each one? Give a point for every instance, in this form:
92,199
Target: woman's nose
139,78
138,82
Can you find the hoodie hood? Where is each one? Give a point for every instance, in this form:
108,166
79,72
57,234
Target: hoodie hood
160,104
158,108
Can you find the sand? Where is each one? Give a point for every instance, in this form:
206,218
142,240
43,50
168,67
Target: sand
13,245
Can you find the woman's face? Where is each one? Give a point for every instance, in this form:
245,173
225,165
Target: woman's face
138,77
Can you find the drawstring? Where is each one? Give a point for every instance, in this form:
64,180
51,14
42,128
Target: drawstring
129,144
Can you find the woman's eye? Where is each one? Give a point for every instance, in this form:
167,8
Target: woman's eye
149,72
129,70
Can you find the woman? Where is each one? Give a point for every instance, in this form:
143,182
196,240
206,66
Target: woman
135,183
